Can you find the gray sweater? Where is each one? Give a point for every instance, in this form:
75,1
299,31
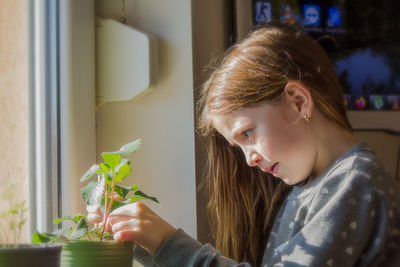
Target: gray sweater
348,216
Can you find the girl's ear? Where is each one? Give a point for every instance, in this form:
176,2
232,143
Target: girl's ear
299,98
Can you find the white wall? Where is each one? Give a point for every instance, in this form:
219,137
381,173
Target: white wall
13,110
77,99
164,166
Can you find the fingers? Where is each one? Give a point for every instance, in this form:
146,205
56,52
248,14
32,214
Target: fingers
132,210
131,225
128,221
94,218
113,219
127,213
94,209
135,230
136,222
125,236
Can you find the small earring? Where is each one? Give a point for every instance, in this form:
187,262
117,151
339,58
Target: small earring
306,118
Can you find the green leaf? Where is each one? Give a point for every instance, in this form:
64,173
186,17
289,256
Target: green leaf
80,230
93,192
21,223
75,218
140,195
104,167
134,187
65,218
115,204
13,211
122,163
63,232
133,199
38,238
107,177
89,173
112,160
57,220
129,148
123,171
78,217
122,190
67,233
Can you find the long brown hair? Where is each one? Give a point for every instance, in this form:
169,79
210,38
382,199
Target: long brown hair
243,200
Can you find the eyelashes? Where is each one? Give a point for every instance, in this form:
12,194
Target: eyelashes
241,138
246,133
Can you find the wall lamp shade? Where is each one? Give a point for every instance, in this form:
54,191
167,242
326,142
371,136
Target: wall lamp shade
123,61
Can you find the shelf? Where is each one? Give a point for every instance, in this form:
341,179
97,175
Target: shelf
370,119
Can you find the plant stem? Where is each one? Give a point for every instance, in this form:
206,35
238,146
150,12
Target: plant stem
109,207
3,235
21,219
105,204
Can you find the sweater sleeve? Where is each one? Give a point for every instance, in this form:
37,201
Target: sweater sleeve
347,224
143,257
182,250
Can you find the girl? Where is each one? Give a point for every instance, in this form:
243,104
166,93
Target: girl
289,185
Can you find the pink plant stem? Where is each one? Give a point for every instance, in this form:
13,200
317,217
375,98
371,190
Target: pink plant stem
105,205
109,208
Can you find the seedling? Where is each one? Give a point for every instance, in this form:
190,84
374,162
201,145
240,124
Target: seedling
104,191
12,220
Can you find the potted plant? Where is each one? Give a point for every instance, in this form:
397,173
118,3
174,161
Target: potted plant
85,246
14,254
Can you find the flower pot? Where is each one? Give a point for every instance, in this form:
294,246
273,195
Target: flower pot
84,253
27,255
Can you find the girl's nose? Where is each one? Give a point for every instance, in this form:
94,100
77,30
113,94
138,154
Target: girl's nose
253,159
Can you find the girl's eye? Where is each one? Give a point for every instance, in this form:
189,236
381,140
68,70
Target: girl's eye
247,133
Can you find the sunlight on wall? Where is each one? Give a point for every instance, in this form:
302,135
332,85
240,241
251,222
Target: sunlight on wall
164,166
13,121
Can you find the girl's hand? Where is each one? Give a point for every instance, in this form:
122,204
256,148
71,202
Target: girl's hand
95,216
136,222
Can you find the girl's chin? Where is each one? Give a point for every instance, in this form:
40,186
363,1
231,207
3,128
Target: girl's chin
286,180
291,180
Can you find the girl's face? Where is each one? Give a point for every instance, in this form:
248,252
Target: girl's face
274,138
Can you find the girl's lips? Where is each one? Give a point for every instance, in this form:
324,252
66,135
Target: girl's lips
271,169
274,169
